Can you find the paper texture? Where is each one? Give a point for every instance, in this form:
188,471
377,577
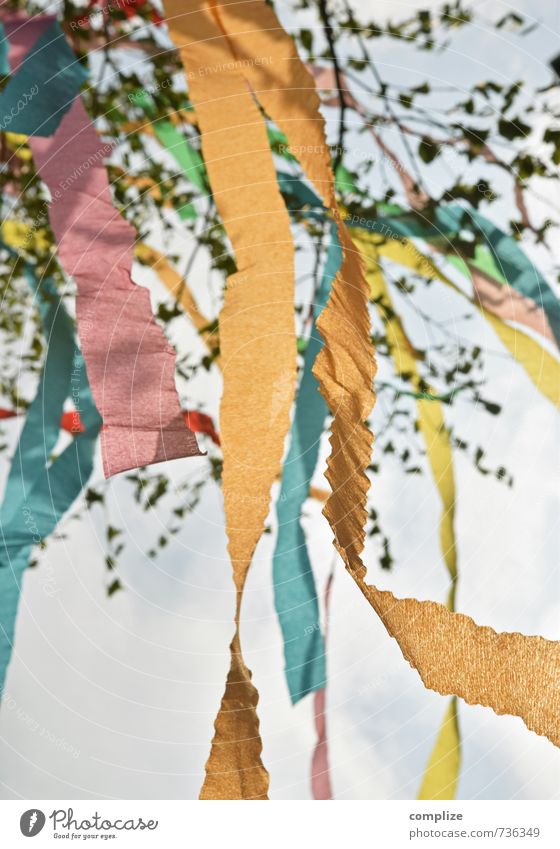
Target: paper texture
320,773
38,492
130,365
440,778
442,772
295,596
450,652
542,368
257,345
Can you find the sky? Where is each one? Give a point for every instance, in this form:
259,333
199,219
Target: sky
116,697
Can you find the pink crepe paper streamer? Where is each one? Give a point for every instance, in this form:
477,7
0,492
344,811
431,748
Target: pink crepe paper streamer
320,776
130,364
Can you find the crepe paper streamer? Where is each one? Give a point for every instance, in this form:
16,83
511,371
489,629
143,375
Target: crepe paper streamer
431,421
129,7
527,298
542,368
509,672
180,290
257,345
187,158
17,143
142,419
446,397
442,773
130,364
503,301
295,596
321,789
37,494
498,295
514,265
41,91
22,237
438,779
531,301
4,64
70,421
201,423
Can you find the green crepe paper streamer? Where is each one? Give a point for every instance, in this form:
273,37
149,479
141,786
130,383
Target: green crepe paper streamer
43,88
343,178
344,182
500,256
187,158
500,253
4,64
518,269
37,495
295,595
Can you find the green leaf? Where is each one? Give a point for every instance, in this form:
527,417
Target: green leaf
428,151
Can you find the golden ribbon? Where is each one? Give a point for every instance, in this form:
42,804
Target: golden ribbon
510,673
258,349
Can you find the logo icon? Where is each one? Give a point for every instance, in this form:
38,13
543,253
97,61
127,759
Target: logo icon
31,822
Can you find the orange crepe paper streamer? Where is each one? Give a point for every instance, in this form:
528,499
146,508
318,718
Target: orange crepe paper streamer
511,673
258,350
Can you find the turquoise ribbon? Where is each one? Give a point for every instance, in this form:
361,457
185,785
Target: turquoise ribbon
295,594
517,268
4,64
38,494
42,90
511,262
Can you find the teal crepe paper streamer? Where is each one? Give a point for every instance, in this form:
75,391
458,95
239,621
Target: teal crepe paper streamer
449,220
42,90
518,269
295,595
37,495
4,64
294,585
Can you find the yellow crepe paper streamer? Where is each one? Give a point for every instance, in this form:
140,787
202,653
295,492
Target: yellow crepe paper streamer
180,289
442,773
258,349
24,237
510,673
542,367
17,143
